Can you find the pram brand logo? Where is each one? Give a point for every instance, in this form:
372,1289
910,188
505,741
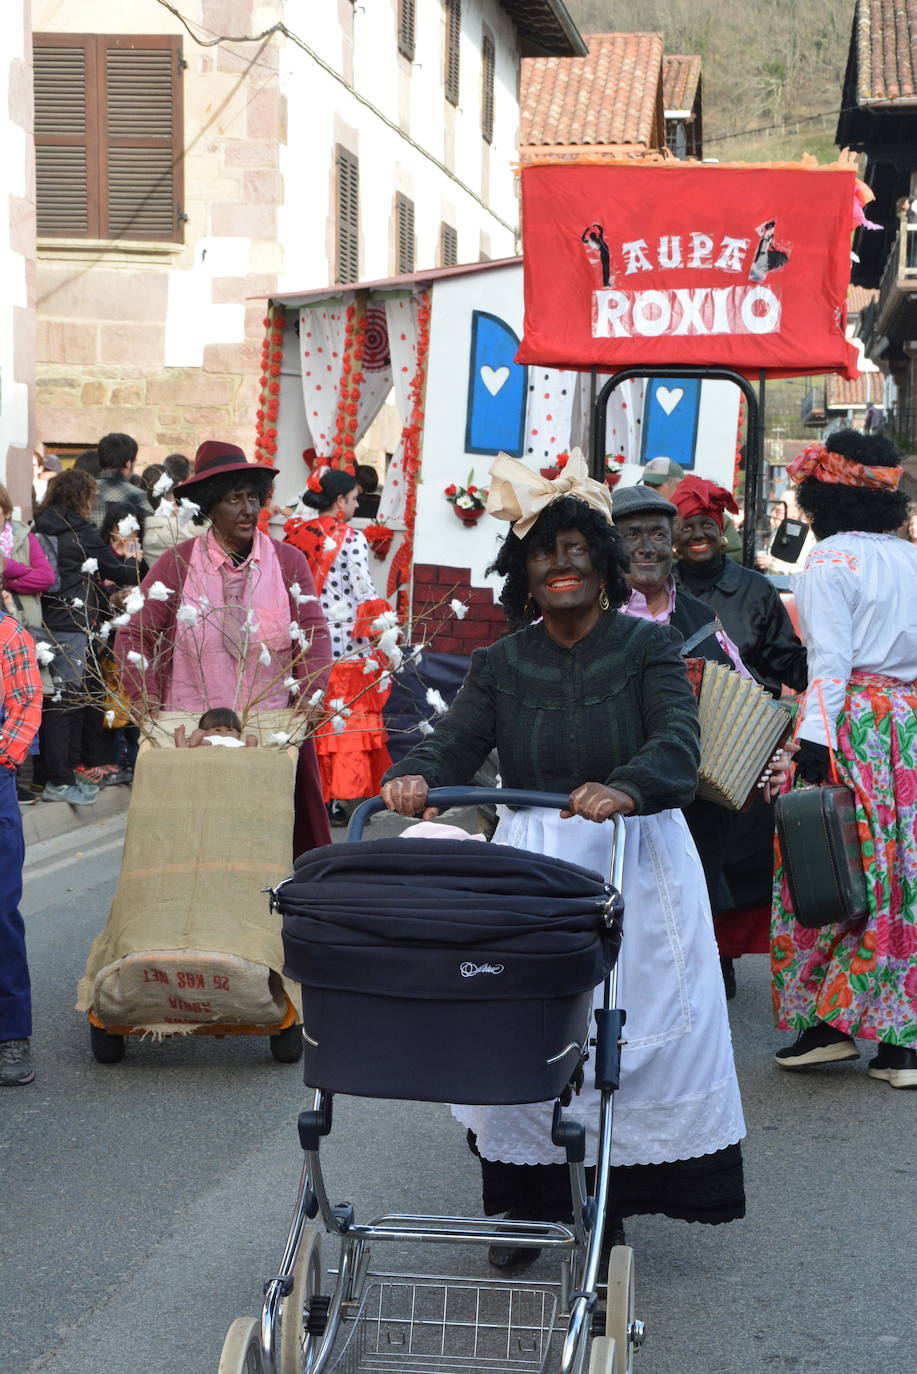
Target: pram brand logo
472,970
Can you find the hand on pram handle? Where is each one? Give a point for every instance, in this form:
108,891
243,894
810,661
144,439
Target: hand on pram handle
594,801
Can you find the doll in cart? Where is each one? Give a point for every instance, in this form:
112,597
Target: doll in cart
592,714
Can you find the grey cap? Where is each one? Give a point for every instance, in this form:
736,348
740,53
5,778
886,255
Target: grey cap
638,501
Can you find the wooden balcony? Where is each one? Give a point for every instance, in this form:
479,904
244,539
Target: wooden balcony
894,317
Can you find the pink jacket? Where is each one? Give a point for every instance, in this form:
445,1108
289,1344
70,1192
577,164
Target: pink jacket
157,623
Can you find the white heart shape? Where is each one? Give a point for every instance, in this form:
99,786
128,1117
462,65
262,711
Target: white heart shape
494,378
669,399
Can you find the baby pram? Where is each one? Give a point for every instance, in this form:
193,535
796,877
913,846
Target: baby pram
446,971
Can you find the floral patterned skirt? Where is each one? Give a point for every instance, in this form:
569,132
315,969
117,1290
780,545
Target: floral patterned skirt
861,977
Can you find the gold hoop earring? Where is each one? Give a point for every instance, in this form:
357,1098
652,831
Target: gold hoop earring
604,603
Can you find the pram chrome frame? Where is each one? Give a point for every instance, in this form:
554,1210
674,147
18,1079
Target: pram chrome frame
578,1244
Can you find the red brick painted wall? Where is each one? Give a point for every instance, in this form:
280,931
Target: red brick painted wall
438,626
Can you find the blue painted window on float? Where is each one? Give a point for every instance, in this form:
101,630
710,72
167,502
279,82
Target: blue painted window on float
496,389
671,410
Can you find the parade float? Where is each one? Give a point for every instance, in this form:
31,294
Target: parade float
651,304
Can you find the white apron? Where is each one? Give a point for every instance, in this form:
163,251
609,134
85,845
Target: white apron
679,1097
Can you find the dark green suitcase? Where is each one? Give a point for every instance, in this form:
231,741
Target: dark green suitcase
820,845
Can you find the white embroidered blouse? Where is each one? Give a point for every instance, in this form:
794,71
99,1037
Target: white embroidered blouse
857,600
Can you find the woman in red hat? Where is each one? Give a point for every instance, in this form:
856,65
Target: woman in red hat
230,619
755,619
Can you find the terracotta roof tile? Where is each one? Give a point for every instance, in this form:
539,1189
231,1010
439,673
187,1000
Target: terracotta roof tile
867,389
858,297
680,77
886,51
609,97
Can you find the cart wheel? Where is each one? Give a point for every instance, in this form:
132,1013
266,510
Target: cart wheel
602,1356
298,1343
106,1048
242,1348
287,1046
619,1311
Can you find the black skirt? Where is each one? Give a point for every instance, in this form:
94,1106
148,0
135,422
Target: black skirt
709,1188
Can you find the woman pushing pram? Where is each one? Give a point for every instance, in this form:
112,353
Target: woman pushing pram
584,701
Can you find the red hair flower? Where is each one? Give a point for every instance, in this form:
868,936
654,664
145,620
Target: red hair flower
274,388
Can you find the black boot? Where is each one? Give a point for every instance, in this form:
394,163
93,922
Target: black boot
728,970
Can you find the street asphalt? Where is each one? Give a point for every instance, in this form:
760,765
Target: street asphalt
143,1204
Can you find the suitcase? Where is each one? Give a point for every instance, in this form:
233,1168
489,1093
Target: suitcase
819,842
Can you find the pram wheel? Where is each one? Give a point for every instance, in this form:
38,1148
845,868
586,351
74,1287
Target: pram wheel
619,1310
602,1356
106,1048
297,1343
287,1046
242,1348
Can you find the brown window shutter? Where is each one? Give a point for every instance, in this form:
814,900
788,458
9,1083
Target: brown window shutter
448,245
348,217
406,29
488,69
453,38
404,210
66,141
141,149
108,136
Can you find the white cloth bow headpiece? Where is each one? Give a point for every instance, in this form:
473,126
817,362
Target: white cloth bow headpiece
520,494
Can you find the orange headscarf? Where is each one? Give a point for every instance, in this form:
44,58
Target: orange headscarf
825,466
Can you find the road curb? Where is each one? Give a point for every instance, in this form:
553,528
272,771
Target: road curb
46,820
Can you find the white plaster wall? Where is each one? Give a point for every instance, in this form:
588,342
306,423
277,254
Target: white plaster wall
193,319
320,107
14,396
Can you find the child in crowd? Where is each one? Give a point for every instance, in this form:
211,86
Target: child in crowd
219,726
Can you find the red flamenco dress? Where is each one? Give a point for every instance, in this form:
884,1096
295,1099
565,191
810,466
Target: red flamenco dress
352,744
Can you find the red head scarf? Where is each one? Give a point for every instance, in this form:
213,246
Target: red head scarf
697,496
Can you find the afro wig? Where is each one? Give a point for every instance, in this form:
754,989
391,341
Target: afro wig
605,546
207,493
833,508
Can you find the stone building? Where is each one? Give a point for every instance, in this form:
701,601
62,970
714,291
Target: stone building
194,158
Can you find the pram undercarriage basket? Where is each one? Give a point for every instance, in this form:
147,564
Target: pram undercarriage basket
448,971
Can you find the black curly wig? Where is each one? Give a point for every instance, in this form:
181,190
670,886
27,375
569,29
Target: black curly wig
212,489
833,509
605,545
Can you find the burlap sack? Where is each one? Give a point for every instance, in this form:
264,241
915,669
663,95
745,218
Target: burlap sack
207,829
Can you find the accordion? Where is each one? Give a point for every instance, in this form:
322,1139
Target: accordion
740,727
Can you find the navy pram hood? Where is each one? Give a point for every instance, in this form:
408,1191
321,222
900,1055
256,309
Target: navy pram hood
446,919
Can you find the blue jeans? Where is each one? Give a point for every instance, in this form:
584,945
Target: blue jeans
15,988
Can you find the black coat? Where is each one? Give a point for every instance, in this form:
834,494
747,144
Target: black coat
77,540
756,621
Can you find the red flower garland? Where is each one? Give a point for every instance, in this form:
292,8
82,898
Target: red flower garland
269,395
345,427
400,569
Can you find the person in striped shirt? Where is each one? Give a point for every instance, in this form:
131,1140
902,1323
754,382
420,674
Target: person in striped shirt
20,716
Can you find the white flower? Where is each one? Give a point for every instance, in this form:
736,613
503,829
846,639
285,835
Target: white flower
278,737
369,666
339,706
250,624
425,727
435,700
90,566
464,502
44,653
133,602
109,718
289,683
458,608
204,600
118,620
56,696
187,614
77,602
163,485
105,630
188,509
339,610
264,658
138,659
159,592
388,643
317,698
388,620
299,596
329,544
297,634
337,724
129,525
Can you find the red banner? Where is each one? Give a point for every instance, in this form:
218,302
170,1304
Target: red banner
674,263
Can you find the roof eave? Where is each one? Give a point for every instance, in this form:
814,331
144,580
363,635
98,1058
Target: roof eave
570,41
